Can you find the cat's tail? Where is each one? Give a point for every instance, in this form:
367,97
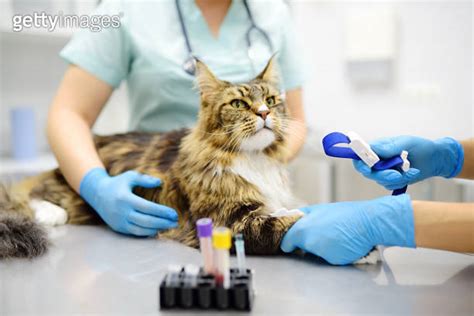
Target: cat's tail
20,235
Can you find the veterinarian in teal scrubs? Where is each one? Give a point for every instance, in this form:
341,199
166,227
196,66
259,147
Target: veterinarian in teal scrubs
147,51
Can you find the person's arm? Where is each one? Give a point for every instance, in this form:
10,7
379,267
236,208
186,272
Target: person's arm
467,171
297,124
79,100
344,232
446,226
76,106
292,76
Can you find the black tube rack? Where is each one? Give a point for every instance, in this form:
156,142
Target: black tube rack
206,295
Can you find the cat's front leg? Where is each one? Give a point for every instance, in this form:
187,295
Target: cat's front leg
263,233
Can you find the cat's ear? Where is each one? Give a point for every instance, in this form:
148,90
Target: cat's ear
207,82
270,73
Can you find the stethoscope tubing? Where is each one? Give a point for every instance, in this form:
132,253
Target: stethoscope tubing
189,48
183,27
253,26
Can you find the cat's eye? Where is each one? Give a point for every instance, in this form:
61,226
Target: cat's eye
237,103
270,101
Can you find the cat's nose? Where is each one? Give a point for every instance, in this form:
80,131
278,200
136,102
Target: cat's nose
263,111
263,114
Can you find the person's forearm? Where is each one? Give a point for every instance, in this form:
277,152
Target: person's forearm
296,125
446,226
76,106
71,140
467,171
296,138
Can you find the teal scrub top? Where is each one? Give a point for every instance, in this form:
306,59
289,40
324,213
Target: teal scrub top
148,51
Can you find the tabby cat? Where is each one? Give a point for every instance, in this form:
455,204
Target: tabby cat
229,167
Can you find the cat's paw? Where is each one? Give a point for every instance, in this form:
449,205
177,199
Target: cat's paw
48,214
372,258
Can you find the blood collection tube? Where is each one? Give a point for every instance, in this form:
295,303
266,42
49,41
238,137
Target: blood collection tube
204,231
240,250
172,279
191,272
221,239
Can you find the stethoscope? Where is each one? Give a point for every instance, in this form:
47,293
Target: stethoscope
189,64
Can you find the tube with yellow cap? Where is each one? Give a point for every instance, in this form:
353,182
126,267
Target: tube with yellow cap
221,240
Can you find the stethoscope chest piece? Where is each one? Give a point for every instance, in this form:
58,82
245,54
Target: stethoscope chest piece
252,52
189,65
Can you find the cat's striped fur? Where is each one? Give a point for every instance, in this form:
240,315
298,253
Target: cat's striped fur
197,167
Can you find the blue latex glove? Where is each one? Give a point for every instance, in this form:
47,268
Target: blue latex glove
443,157
344,232
120,208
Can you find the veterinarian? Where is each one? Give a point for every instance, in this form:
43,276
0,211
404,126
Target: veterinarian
152,51
343,232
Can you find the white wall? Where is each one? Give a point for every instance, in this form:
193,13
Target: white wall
432,90
30,71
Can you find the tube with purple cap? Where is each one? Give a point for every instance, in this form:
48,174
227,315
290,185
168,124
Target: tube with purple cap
204,231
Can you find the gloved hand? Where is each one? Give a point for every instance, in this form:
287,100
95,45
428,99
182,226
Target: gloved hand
443,157
344,232
123,211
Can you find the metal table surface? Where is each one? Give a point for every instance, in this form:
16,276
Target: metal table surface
91,270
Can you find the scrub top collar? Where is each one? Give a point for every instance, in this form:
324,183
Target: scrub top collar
196,23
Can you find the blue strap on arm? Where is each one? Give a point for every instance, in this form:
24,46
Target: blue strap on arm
331,141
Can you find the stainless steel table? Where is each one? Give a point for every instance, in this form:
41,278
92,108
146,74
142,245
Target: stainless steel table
91,270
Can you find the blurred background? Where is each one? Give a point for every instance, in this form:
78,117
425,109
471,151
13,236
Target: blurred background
377,68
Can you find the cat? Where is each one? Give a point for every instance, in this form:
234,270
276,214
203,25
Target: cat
229,167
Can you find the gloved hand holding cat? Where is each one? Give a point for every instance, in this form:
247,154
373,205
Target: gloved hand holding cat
123,211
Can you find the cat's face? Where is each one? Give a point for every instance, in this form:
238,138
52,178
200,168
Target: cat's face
242,117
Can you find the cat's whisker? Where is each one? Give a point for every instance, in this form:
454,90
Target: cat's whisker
287,118
292,127
220,133
296,136
241,136
235,142
292,122
233,129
